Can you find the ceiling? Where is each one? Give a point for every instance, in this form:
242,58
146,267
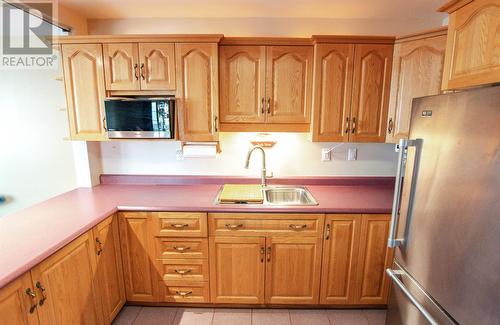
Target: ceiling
330,9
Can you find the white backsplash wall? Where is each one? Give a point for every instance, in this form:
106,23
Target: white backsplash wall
293,155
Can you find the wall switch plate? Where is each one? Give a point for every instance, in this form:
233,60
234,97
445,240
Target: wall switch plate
326,154
352,154
179,155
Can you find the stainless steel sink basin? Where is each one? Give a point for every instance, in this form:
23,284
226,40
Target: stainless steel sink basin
285,195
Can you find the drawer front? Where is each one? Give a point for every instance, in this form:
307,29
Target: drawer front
183,271
266,224
180,224
181,248
187,294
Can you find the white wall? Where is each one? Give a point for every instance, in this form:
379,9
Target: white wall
293,154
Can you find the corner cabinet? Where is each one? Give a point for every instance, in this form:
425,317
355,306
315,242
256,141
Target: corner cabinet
85,93
473,43
197,90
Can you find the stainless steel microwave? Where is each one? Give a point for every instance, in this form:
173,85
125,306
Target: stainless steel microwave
139,117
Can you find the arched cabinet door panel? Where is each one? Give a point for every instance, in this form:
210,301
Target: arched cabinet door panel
157,68
121,66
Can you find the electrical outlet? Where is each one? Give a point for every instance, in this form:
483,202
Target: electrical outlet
352,154
326,154
179,155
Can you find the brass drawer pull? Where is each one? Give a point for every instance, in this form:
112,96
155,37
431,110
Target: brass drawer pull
99,246
42,291
269,254
142,72
269,105
262,253
234,227
390,126
181,272
297,227
179,225
184,293
347,125
135,71
353,125
32,296
182,249
262,104
327,235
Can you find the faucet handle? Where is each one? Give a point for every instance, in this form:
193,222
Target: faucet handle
270,175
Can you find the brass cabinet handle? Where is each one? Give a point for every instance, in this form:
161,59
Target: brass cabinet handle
104,123
390,126
99,246
297,227
234,227
327,234
182,249
142,72
32,296
136,75
353,125
181,272
262,253
184,293
347,125
262,105
269,254
179,225
216,129
42,292
269,105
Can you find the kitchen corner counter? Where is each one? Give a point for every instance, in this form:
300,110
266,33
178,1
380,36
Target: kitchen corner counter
29,236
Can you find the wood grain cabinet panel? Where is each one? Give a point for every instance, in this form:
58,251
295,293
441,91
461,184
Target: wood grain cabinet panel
242,84
138,254
197,89
237,267
416,72
16,305
66,285
121,66
181,248
157,70
293,270
373,259
85,94
289,83
109,267
333,69
179,224
473,44
340,254
371,84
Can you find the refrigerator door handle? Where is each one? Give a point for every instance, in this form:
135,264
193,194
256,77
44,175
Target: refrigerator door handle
393,274
402,148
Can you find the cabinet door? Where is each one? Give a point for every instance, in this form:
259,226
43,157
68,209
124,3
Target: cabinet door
157,68
242,84
237,269
197,89
121,66
66,287
333,68
293,270
373,259
17,306
340,253
370,95
140,277
109,268
416,72
289,83
84,84
473,45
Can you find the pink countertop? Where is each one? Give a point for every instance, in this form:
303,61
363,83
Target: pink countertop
29,236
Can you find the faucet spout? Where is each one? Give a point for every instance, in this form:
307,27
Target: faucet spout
263,172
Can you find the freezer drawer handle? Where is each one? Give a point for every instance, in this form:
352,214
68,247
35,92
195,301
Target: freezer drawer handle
393,274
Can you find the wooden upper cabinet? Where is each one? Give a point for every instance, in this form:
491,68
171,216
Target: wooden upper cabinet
370,99
242,84
289,83
121,66
473,44
85,94
293,270
197,89
157,70
66,286
416,72
16,304
333,68
340,252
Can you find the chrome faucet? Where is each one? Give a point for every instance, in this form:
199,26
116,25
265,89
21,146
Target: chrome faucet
263,173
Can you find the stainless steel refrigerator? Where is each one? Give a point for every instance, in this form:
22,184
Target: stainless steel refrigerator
445,226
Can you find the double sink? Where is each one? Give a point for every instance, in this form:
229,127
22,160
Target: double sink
282,195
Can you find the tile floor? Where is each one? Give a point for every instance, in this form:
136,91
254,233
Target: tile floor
221,316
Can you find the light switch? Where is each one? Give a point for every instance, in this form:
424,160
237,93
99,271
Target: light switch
326,154
352,154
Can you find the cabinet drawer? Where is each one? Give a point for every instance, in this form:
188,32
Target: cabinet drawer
187,294
180,224
185,271
248,224
181,248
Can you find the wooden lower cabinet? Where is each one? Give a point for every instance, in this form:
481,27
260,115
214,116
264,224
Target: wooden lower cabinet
17,306
66,287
